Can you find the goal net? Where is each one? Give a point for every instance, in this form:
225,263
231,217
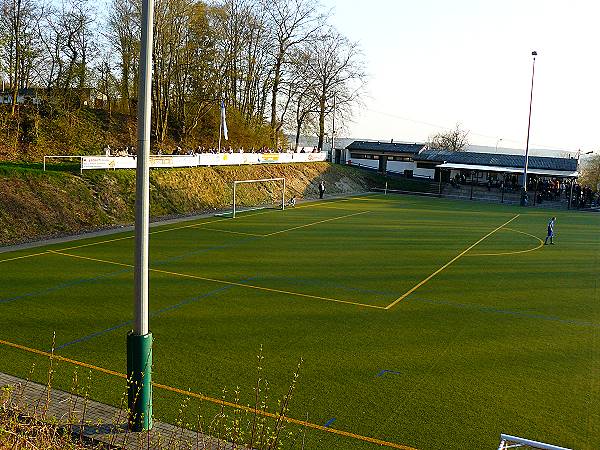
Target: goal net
250,195
509,442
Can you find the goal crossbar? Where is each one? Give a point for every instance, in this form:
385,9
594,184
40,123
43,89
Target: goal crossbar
236,182
507,441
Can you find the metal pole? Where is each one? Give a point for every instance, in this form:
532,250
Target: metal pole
386,187
283,196
233,206
471,186
139,340
44,163
440,183
220,131
524,192
571,194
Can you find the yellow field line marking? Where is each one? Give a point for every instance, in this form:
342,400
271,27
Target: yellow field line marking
230,283
517,252
315,223
261,288
23,257
335,207
417,286
216,401
233,232
62,358
106,241
87,258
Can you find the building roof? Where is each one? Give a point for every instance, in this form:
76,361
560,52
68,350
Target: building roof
387,147
498,160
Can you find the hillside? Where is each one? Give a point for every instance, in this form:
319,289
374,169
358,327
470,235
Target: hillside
36,204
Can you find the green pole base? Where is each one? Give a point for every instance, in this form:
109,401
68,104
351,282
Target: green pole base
139,381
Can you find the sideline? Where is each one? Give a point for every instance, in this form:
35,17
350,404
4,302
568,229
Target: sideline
417,286
127,229
216,401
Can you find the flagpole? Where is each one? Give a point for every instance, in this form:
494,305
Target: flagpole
220,124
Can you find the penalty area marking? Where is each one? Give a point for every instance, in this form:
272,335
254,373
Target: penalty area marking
230,283
516,252
216,401
193,225
417,286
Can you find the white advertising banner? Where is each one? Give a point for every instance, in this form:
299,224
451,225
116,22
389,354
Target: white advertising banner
204,159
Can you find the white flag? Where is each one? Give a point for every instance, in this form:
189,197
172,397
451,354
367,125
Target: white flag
223,121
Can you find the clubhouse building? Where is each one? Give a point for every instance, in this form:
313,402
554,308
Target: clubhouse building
417,160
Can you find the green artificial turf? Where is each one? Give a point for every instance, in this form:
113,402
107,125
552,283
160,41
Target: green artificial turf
504,339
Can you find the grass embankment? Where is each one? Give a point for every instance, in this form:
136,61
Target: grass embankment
36,204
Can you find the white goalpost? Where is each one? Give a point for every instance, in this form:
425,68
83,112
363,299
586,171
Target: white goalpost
236,203
509,442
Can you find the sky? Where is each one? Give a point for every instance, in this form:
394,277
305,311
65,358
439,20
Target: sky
435,63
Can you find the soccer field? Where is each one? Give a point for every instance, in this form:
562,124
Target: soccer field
422,323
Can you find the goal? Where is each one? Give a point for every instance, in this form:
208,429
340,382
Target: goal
509,442
250,195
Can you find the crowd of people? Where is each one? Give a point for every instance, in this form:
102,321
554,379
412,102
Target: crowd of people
544,188
179,151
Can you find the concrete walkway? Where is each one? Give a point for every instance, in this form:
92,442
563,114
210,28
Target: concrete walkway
99,422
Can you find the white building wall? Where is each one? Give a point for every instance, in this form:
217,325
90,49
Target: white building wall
424,173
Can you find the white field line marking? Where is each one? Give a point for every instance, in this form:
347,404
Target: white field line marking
417,286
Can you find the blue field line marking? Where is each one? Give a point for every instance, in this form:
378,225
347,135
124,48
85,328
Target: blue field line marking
204,250
329,422
509,312
79,281
181,304
64,285
384,371
335,285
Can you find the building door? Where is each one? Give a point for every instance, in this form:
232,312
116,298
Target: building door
338,156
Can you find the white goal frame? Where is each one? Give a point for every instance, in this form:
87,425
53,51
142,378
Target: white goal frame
235,183
509,442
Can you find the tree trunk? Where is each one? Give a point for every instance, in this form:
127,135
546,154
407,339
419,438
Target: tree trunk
16,29
276,80
321,121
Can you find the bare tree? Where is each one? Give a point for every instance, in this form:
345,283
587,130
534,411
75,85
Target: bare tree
18,43
454,140
590,173
291,23
123,32
337,68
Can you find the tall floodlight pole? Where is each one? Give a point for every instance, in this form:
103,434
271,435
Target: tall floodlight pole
139,340
497,142
524,190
